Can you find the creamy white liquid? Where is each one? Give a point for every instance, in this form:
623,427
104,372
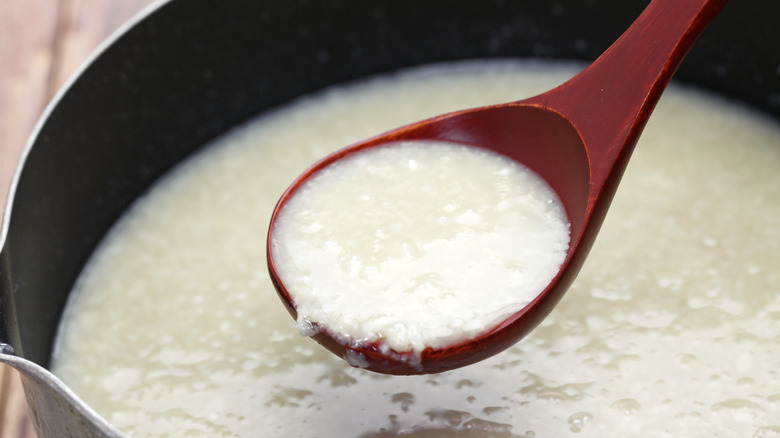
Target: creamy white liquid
417,245
672,328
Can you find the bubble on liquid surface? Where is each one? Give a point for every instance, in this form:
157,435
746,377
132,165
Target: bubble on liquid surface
578,421
627,406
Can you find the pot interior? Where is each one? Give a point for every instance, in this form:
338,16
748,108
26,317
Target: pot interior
193,69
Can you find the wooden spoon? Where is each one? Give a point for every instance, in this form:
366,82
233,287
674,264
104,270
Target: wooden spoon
578,137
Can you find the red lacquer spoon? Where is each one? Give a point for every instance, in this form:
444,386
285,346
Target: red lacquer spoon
578,137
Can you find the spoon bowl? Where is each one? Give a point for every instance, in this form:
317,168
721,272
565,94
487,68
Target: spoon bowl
578,137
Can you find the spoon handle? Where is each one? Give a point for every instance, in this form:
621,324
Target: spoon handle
610,101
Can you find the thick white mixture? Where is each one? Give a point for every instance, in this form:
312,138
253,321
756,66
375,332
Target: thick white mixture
671,330
418,244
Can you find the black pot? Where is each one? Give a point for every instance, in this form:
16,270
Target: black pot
193,69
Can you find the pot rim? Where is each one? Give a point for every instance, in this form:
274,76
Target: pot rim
96,53
32,373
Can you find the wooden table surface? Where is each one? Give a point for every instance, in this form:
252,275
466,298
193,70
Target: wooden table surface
42,43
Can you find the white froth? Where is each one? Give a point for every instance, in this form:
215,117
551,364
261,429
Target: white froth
672,329
418,244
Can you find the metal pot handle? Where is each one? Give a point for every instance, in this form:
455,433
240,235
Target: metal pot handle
57,411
